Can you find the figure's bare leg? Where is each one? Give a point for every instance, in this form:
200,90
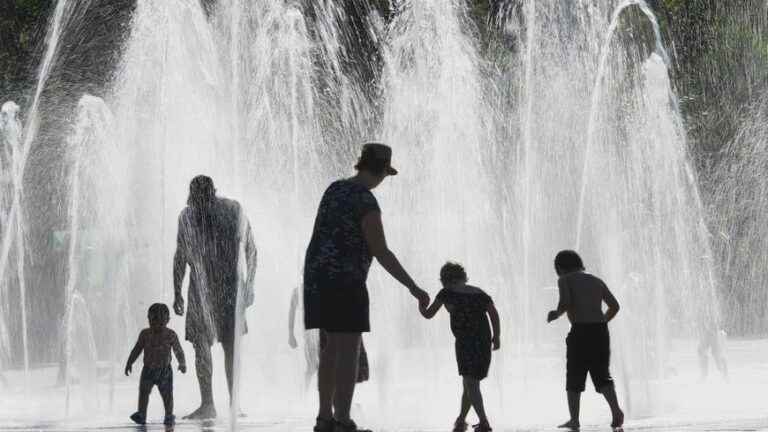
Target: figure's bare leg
574,405
347,362
140,416
144,390
472,389
203,368
609,392
326,379
167,394
466,404
229,365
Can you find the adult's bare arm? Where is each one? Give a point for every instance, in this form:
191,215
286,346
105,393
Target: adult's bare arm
251,259
373,231
179,269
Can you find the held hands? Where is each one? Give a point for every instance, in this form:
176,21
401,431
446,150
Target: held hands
421,296
178,305
183,368
552,315
423,310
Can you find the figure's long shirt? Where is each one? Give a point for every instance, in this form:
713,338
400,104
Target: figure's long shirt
217,243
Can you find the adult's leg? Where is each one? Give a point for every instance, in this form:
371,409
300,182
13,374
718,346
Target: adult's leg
204,371
472,389
326,376
347,362
229,365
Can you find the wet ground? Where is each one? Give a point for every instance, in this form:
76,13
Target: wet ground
721,426
417,391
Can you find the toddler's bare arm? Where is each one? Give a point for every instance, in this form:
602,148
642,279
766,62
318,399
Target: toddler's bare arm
430,312
137,349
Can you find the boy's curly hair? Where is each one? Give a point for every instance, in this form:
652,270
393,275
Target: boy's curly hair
452,272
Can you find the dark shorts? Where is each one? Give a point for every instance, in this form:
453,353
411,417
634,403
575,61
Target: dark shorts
588,350
161,377
473,356
337,307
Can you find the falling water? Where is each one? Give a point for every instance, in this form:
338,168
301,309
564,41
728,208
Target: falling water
597,92
584,140
10,133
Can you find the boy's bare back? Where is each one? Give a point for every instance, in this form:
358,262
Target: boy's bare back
157,343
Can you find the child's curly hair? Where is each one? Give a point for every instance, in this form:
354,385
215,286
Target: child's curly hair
158,314
452,272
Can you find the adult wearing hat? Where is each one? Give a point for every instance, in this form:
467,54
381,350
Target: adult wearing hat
347,235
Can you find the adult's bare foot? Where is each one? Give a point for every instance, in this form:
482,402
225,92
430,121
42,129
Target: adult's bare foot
204,412
618,420
570,425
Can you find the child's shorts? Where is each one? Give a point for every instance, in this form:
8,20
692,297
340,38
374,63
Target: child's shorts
588,351
162,377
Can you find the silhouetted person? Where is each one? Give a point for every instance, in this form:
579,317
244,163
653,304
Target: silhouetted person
314,342
214,238
469,307
588,343
347,235
711,340
156,343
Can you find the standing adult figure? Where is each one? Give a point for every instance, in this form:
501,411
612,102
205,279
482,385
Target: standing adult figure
588,346
347,235
215,241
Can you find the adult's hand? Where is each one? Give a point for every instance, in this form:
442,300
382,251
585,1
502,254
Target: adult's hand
292,341
178,305
421,296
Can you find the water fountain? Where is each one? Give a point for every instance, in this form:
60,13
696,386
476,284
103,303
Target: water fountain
576,141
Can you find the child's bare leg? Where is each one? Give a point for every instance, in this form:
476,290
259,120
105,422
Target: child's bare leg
574,405
145,387
609,392
466,404
167,394
472,388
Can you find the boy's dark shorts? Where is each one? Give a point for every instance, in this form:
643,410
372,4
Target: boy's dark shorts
588,350
161,377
